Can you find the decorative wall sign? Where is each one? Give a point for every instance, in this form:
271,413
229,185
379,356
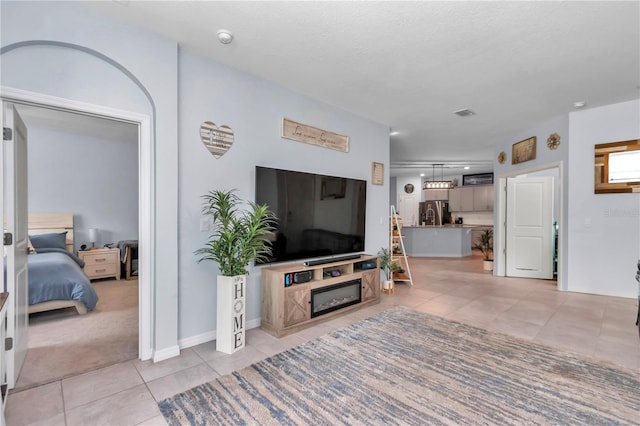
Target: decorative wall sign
524,150
553,141
377,173
216,139
502,157
312,135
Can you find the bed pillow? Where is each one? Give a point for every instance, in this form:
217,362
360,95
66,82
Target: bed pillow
43,241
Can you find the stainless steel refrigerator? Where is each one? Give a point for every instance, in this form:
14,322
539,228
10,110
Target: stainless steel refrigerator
434,213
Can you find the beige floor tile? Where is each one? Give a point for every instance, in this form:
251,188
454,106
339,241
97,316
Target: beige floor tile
98,384
626,355
181,381
57,420
154,421
281,345
128,407
318,330
34,405
151,371
570,337
443,305
258,337
534,312
246,356
521,329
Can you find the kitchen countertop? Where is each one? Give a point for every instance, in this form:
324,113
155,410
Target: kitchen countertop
448,226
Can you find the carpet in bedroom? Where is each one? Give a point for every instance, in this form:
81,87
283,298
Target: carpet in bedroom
63,343
406,367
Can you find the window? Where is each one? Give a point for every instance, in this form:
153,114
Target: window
624,166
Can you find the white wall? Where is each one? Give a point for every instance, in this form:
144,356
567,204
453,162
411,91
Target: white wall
96,179
601,233
254,109
545,158
604,229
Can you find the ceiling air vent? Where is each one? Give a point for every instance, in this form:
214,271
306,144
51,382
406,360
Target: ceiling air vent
464,112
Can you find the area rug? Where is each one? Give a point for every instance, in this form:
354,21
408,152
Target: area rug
405,367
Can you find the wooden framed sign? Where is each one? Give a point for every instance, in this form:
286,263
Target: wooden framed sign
312,135
377,173
524,151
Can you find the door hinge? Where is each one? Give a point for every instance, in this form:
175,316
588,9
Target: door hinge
7,134
8,238
8,343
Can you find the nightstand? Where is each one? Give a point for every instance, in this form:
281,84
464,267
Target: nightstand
101,263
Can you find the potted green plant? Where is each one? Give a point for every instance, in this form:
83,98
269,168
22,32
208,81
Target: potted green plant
238,237
485,245
389,267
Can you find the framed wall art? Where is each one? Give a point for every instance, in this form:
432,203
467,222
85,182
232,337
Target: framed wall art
524,150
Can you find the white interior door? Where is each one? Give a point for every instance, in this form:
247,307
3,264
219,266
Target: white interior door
15,218
408,210
529,233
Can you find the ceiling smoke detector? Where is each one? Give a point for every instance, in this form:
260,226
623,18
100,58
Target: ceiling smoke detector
225,36
466,112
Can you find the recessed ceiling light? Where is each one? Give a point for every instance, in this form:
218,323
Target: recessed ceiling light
579,104
225,36
394,133
465,112
467,167
421,174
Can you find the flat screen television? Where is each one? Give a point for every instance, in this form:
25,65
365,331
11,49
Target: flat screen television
318,215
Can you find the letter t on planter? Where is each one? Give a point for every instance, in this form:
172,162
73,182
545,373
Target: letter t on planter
230,318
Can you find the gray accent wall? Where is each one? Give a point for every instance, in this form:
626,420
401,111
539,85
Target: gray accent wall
96,179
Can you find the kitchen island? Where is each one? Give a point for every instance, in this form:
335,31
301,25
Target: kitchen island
438,241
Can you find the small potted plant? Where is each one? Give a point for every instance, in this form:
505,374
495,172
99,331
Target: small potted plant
385,265
485,245
389,267
239,237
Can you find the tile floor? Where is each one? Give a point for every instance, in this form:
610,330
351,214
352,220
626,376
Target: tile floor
458,289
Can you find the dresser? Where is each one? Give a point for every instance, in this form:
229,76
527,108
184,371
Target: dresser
101,263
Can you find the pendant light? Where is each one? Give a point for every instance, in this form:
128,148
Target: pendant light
437,184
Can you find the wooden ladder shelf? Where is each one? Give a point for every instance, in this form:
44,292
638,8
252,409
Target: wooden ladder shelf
396,248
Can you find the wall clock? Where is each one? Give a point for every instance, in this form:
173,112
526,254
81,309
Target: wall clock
408,188
553,141
502,157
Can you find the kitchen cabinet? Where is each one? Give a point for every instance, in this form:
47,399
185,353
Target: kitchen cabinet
471,198
461,199
483,198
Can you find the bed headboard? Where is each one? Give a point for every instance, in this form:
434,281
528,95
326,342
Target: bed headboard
45,223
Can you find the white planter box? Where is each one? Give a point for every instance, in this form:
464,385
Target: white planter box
230,316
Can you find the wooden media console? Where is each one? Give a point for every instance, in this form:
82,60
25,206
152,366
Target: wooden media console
295,296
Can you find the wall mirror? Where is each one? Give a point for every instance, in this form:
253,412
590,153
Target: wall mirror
617,167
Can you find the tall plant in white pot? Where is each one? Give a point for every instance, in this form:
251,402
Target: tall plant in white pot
239,237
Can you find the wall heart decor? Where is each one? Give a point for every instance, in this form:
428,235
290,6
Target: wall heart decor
217,140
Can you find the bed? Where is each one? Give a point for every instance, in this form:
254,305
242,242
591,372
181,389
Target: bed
56,278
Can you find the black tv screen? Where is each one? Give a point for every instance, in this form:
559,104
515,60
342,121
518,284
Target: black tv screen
318,215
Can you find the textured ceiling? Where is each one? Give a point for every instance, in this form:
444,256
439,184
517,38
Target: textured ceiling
410,65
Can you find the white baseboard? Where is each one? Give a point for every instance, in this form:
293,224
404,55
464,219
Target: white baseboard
210,336
166,353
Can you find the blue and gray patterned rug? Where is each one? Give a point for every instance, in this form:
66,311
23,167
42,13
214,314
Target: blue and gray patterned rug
405,367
